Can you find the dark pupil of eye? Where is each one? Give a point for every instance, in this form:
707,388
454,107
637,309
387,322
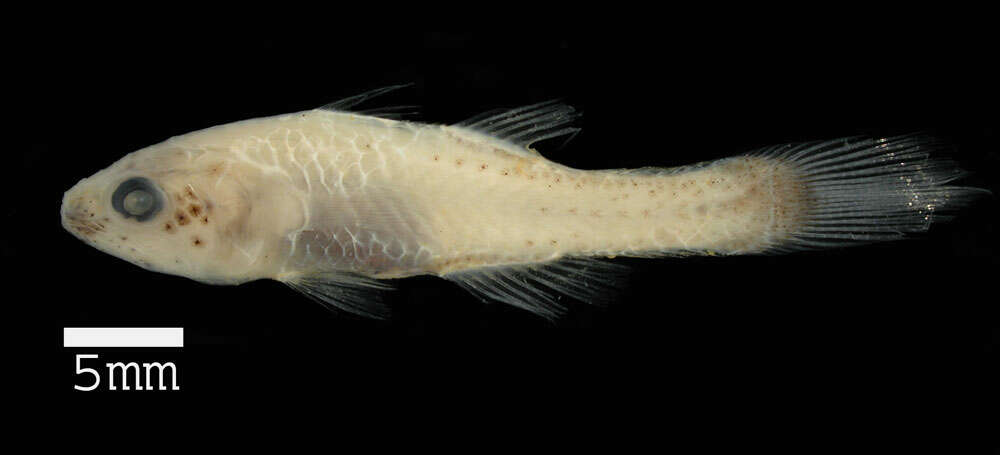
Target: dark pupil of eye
136,198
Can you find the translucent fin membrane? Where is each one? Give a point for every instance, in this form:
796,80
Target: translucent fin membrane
389,112
526,125
539,287
860,190
351,293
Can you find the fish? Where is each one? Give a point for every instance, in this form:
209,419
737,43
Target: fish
337,203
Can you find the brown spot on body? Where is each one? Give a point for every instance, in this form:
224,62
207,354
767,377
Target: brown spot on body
482,167
182,218
436,157
530,243
168,227
458,162
196,241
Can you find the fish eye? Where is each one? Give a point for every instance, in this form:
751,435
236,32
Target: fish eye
136,198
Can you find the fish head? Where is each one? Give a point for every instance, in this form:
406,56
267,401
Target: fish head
172,209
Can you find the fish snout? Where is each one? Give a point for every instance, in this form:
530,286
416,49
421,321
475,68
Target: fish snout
81,213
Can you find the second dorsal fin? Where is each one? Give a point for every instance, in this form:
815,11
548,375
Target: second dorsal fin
528,124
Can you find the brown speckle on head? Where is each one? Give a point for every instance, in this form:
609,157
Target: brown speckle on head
182,218
168,227
194,210
204,220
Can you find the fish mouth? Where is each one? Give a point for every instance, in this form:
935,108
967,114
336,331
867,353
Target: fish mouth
80,215
83,229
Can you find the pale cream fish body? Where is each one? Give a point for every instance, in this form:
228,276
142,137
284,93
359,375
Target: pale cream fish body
327,200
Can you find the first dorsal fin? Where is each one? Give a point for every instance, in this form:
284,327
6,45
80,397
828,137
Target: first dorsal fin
391,112
528,124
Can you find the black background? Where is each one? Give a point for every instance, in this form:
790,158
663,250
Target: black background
828,346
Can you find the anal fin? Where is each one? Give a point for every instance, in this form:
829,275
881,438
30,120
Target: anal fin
540,287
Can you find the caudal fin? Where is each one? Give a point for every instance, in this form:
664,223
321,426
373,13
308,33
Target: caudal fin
856,190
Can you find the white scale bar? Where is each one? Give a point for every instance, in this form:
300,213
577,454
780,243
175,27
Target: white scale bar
123,337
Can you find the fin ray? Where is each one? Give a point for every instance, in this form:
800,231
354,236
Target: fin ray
861,190
539,287
527,124
348,292
391,112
